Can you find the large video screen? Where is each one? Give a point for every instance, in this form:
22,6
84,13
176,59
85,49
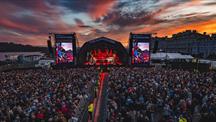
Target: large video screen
140,52
64,52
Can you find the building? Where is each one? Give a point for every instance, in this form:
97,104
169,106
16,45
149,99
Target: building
189,42
30,58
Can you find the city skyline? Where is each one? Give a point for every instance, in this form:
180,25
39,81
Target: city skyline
29,21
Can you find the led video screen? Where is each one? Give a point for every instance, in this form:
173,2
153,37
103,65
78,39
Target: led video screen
64,52
140,52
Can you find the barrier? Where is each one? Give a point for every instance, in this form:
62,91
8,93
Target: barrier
103,105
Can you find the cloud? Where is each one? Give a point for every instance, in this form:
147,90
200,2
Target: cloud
30,21
128,13
95,8
208,26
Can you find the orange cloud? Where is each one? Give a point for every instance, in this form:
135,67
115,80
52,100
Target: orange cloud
100,8
204,26
9,24
45,19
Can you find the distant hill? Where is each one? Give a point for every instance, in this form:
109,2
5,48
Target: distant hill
12,47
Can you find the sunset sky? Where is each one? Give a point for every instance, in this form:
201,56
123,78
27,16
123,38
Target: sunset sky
30,21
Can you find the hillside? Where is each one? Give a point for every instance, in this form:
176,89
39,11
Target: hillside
12,47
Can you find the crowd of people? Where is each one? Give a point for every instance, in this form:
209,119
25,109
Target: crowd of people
44,95
134,95
161,95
